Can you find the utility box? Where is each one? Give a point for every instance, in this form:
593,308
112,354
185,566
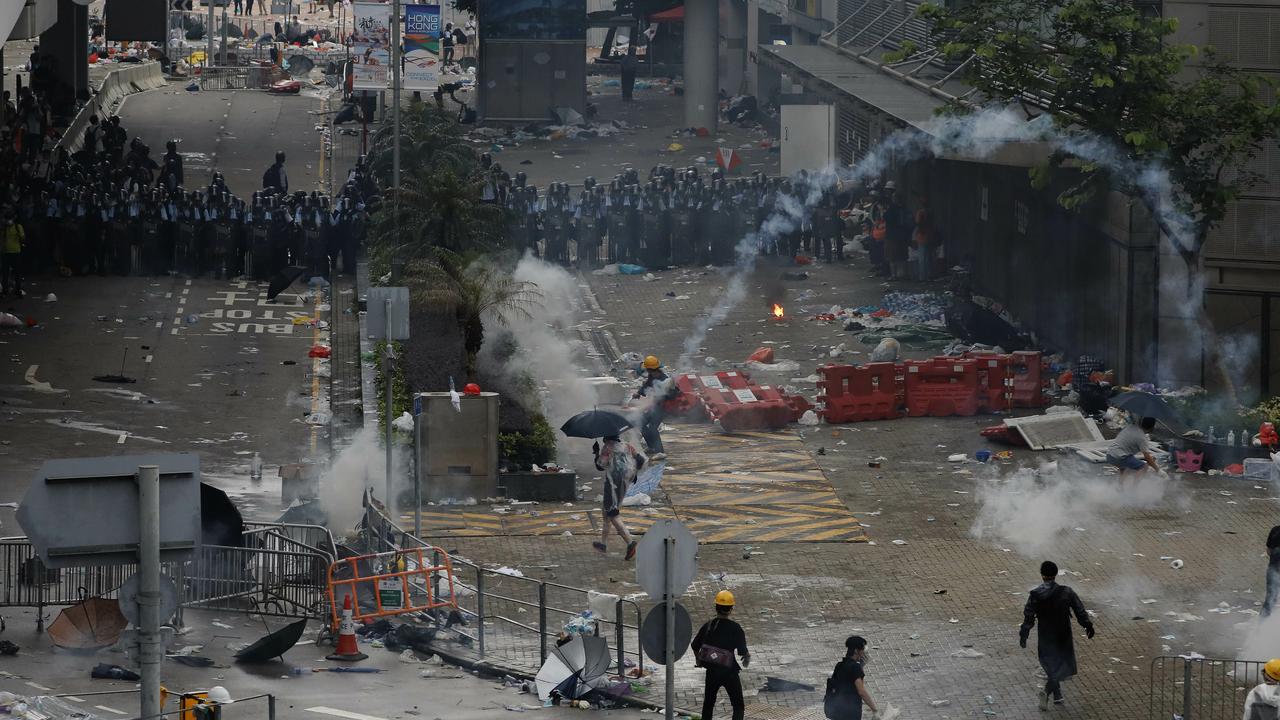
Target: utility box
458,455
808,138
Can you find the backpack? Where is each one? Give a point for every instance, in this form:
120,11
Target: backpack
271,178
831,699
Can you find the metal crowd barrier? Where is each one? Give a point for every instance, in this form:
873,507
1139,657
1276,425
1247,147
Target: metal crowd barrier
1200,688
492,597
282,571
239,77
118,83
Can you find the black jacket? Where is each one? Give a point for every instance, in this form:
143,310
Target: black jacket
724,634
1052,605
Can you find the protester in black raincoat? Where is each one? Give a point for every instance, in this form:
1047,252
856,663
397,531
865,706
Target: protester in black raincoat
1053,604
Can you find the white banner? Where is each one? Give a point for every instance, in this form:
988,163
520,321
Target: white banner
370,45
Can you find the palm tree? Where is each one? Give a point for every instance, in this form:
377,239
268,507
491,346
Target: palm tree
428,137
436,208
474,291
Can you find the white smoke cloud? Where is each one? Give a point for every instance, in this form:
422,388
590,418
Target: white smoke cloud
1031,510
547,350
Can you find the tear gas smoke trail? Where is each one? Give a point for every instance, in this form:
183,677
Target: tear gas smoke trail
972,137
545,351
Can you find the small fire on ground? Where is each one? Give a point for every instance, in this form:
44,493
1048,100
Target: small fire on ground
778,312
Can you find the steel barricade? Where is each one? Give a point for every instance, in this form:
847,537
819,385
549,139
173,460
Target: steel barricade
285,583
1200,688
501,602
395,582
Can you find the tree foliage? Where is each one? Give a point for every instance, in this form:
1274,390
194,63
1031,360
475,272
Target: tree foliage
1107,69
474,291
438,203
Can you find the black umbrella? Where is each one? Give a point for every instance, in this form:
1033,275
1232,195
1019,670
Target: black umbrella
220,520
274,645
298,65
595,424
1144,404
283,280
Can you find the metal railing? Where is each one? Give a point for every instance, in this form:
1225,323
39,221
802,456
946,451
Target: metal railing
240,77
281,571
283,583
1200,688
516,618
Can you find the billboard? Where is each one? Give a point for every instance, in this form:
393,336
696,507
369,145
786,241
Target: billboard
136,20
421,47
370,45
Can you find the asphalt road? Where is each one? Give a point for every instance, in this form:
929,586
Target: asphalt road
208,356
236,132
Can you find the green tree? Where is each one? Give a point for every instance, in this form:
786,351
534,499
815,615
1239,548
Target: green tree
473,291
1106,69
438,203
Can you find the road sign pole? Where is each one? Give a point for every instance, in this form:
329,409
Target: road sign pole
417,477
669,547
149,587
387,376
208,34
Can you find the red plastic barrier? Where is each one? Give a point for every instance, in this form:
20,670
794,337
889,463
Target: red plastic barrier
1028,377
993,381
688,403
941,387
856,394
747,408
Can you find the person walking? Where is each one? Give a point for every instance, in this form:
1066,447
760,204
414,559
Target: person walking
275,177
713,649
1053,605
1263,701
620,463
446,44
846,688
1273,571
12,238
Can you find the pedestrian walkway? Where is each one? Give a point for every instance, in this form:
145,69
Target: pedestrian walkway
740,488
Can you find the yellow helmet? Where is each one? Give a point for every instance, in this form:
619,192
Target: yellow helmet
1272,669
651,362
725,599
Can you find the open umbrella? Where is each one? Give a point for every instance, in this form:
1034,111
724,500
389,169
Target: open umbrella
273,645
220,520
283,280
595,424
1144,404
90,624
573,669
298,65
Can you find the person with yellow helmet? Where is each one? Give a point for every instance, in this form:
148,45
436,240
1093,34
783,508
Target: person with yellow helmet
713,649
657,388
1263,701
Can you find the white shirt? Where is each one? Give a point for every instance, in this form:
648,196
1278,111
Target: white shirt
1262,703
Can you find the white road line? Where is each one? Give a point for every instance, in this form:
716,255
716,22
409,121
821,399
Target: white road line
186,291
342,713
37,686
188,282
110,710
120,439
73,698
147,359
159,323
168,295
182,301
173,331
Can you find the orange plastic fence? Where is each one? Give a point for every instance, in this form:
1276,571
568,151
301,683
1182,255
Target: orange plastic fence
394,583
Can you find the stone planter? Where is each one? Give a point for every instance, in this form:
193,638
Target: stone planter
539,486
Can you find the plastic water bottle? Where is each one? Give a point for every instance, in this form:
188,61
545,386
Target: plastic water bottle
1246,438
1212,439
255,467
1231,437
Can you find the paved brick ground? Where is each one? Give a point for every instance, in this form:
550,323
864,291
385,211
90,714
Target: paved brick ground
944,593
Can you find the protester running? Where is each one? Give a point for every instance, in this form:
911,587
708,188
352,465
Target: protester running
620,462
1053,605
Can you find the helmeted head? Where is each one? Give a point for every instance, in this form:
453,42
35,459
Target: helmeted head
651,363
1271,670
724,602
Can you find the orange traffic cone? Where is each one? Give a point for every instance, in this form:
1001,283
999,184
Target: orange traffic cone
347,648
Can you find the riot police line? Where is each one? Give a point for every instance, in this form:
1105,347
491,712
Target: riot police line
674,217
107,212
